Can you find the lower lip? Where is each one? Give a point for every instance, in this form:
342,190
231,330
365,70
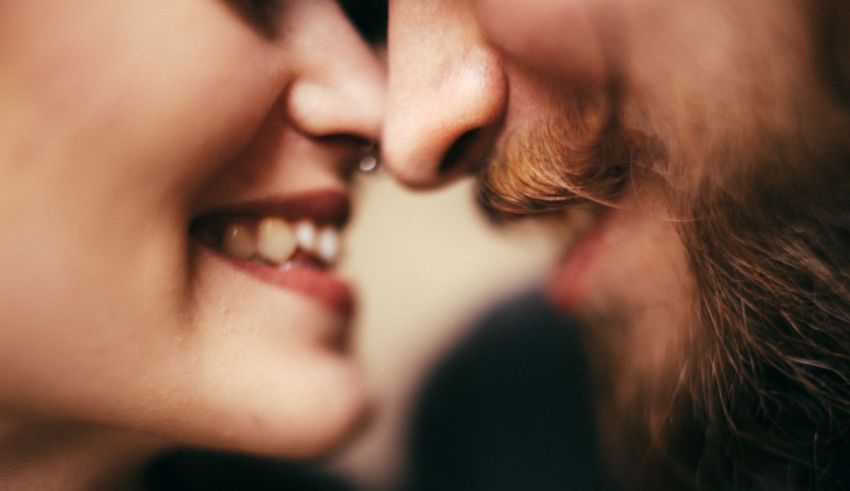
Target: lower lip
313,283
567,285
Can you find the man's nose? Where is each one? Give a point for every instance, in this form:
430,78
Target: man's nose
447,92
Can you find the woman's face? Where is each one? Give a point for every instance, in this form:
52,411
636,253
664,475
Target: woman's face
155,157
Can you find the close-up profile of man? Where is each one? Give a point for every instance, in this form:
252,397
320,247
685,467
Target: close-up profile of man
701,152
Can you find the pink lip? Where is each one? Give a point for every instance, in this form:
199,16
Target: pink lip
307,276
566,286
309,281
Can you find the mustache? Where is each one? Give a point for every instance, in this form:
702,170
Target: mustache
584,154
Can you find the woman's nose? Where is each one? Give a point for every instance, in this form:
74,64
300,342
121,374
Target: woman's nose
446,93
339,85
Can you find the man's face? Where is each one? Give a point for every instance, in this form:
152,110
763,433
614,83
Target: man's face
618,107
538,100
700,149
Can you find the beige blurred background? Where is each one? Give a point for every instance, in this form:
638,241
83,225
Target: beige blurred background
427,264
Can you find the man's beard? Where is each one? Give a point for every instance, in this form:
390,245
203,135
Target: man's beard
755,387
583,156
580,153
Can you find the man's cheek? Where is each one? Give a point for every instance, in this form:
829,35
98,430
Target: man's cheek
558,37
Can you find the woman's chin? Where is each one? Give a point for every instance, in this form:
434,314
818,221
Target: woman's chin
324,418
301,406
259,369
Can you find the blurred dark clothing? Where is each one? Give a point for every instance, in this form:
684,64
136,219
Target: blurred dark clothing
190,470
508,409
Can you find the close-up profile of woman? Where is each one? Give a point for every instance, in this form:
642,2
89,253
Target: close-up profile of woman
173,185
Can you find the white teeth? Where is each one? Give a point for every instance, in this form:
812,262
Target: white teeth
275,240
238,241
328,245
305,234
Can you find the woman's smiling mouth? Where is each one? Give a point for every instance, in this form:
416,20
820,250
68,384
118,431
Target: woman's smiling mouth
291,242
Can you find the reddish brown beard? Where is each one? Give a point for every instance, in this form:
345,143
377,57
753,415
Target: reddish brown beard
582,154
759,395
555,163
769,373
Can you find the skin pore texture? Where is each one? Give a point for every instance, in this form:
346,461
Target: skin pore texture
701,150
125,333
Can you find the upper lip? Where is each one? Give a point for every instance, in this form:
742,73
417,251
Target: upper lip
323,207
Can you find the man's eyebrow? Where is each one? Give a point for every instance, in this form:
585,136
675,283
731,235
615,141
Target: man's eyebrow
369,17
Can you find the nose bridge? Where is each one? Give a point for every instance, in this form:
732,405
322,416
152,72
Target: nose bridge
338,84
445,83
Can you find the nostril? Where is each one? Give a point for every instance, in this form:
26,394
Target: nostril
458,153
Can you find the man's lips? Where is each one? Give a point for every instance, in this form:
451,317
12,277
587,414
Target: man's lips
290,242
567,285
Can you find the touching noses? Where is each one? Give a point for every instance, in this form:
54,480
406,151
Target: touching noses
447,95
